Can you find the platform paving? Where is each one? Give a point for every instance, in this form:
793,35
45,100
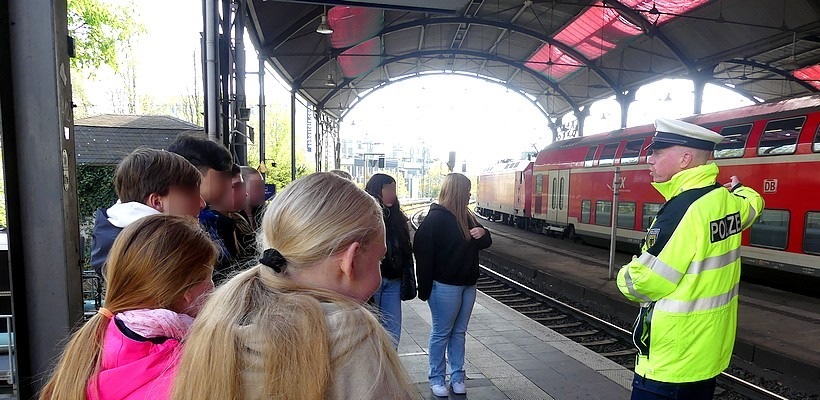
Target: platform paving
510,356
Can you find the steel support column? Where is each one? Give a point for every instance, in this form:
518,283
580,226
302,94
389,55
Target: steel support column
262,111
293,135
36,125
699,79
225,71
582,115
211,70
240,133
625,99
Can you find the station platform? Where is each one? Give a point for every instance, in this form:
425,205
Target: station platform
777,330
510,356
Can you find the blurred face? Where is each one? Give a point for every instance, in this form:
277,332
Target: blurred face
240,195
389,194
665,163
256,190
215,185
182,201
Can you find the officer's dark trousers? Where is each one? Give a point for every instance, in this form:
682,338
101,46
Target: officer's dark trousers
647,389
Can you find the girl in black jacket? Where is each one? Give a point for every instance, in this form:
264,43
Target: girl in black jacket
446,246
398,277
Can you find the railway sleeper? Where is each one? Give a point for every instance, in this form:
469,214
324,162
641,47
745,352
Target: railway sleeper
527,305
533,312
579,334
601,342
567,325
502,292
555,318
619,353
514,301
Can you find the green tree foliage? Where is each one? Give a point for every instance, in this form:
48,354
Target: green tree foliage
95,189
277,148
98,28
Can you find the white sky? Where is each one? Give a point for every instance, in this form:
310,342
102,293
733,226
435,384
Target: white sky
481,121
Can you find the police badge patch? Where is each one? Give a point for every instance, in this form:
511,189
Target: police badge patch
652,237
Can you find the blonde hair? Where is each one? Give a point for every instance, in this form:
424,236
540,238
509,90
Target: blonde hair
314,218
152,264
455,196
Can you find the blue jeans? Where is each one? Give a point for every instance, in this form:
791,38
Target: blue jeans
451,307
388,300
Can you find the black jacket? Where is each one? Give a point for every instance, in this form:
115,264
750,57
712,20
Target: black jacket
398,260
102,238
443,254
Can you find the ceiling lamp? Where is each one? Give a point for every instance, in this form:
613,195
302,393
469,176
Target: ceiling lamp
324,28
330,82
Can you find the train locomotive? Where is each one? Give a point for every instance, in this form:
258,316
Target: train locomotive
773,148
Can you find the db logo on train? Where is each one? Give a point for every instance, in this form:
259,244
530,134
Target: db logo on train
770,186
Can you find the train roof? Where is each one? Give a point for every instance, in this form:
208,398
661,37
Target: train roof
507,166
720,118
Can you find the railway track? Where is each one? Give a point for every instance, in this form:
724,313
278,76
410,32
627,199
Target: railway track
594,332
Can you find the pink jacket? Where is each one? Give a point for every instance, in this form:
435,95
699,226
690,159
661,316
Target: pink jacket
135,370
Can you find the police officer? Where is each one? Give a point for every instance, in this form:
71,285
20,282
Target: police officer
687,275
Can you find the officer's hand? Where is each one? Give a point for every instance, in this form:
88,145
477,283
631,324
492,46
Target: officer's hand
477,233
734,182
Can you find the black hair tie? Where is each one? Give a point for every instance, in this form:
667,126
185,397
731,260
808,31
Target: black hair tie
274,259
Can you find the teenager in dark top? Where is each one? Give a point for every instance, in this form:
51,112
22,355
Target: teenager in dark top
398,277
147,182
446,246
214,162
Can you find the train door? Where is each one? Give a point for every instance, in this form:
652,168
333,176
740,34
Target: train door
519,193
558,197
562,211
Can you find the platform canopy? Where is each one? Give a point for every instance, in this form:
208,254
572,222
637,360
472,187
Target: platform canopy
562,54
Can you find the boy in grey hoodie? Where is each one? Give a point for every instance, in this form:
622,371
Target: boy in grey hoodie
147,182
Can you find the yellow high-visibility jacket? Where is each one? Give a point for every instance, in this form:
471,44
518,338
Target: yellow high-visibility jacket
687,277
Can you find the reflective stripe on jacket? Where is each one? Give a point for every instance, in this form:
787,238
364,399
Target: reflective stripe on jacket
687,277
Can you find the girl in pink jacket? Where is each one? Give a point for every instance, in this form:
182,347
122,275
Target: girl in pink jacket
159,272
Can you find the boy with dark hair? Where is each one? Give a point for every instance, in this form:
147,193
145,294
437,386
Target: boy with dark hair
215,163
147,182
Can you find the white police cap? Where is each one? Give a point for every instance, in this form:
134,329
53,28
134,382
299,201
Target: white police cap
672,132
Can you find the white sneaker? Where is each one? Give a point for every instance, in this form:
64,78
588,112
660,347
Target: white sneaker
458,387
440,390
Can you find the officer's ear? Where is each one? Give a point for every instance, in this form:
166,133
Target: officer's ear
686,159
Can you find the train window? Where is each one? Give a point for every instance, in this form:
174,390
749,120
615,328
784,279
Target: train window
650,210
539,184
590,155
554,187
811,237
632,152
771,229
608,154
585,211
626,215
603,213
816,145
734,141
780,137
561,195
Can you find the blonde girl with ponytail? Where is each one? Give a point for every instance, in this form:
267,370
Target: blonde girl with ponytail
159,271
294,327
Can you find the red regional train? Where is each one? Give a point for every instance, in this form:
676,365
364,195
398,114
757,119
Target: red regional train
773,148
